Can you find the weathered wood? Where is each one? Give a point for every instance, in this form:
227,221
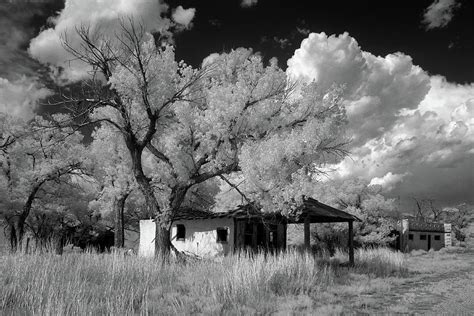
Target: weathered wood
281,236
307,233
254,235
351,243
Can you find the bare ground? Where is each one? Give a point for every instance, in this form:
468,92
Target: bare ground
438,283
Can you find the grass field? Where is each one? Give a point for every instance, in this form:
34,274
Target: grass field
381,282
113,284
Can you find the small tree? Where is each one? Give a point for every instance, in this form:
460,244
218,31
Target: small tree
39,154
112,169
365,201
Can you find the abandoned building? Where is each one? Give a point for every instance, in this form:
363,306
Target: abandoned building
210,234
424,235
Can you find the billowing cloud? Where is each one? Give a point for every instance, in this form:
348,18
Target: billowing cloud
20,97
17,26
439,13
376,88
413,134
248,3
388,181
101,16
183,16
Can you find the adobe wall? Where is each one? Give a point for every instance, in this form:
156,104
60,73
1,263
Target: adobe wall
146,246
201,237
200,240
418,243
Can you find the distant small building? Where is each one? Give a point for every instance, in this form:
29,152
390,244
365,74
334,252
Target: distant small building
423,235
209,234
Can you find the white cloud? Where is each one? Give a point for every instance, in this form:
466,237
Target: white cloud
248,3
101,16
183,16
376,88
20,97
388,181
439,13
406,125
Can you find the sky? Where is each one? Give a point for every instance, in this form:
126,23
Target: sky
407,68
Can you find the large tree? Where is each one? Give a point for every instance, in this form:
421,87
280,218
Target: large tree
233,115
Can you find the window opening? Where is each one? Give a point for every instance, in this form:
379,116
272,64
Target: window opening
222,233
180,232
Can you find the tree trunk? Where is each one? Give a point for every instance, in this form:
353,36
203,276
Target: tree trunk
162,241
17,224
16,233
162,237
119,233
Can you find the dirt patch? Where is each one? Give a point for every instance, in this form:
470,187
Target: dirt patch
438,283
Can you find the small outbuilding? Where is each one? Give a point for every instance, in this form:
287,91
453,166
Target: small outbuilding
421,235
210,234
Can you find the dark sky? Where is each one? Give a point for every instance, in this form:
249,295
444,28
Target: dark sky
380,27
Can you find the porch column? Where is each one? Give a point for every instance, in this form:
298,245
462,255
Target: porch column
351,243
307,234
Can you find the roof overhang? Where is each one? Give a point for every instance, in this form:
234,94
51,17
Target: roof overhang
311,210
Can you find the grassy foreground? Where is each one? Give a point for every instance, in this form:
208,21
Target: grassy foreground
113,284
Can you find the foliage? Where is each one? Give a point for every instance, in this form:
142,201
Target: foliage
39,160
365,201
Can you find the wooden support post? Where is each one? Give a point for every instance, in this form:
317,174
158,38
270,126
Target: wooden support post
307,234
351,243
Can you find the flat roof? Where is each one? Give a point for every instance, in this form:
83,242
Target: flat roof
318,212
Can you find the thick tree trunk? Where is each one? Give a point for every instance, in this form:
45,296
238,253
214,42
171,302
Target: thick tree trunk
119,233
162,237
162,241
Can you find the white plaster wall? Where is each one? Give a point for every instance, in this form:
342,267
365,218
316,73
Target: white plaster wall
146,246
201,237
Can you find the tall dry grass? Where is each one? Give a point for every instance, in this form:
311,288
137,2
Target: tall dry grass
109,284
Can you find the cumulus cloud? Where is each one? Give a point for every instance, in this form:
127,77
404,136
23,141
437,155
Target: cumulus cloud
20,97
248,3
16,29
413,134
439,13
376,88
101,16
388,181
183,16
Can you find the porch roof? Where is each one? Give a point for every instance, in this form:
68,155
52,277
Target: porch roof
312,209
317,212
